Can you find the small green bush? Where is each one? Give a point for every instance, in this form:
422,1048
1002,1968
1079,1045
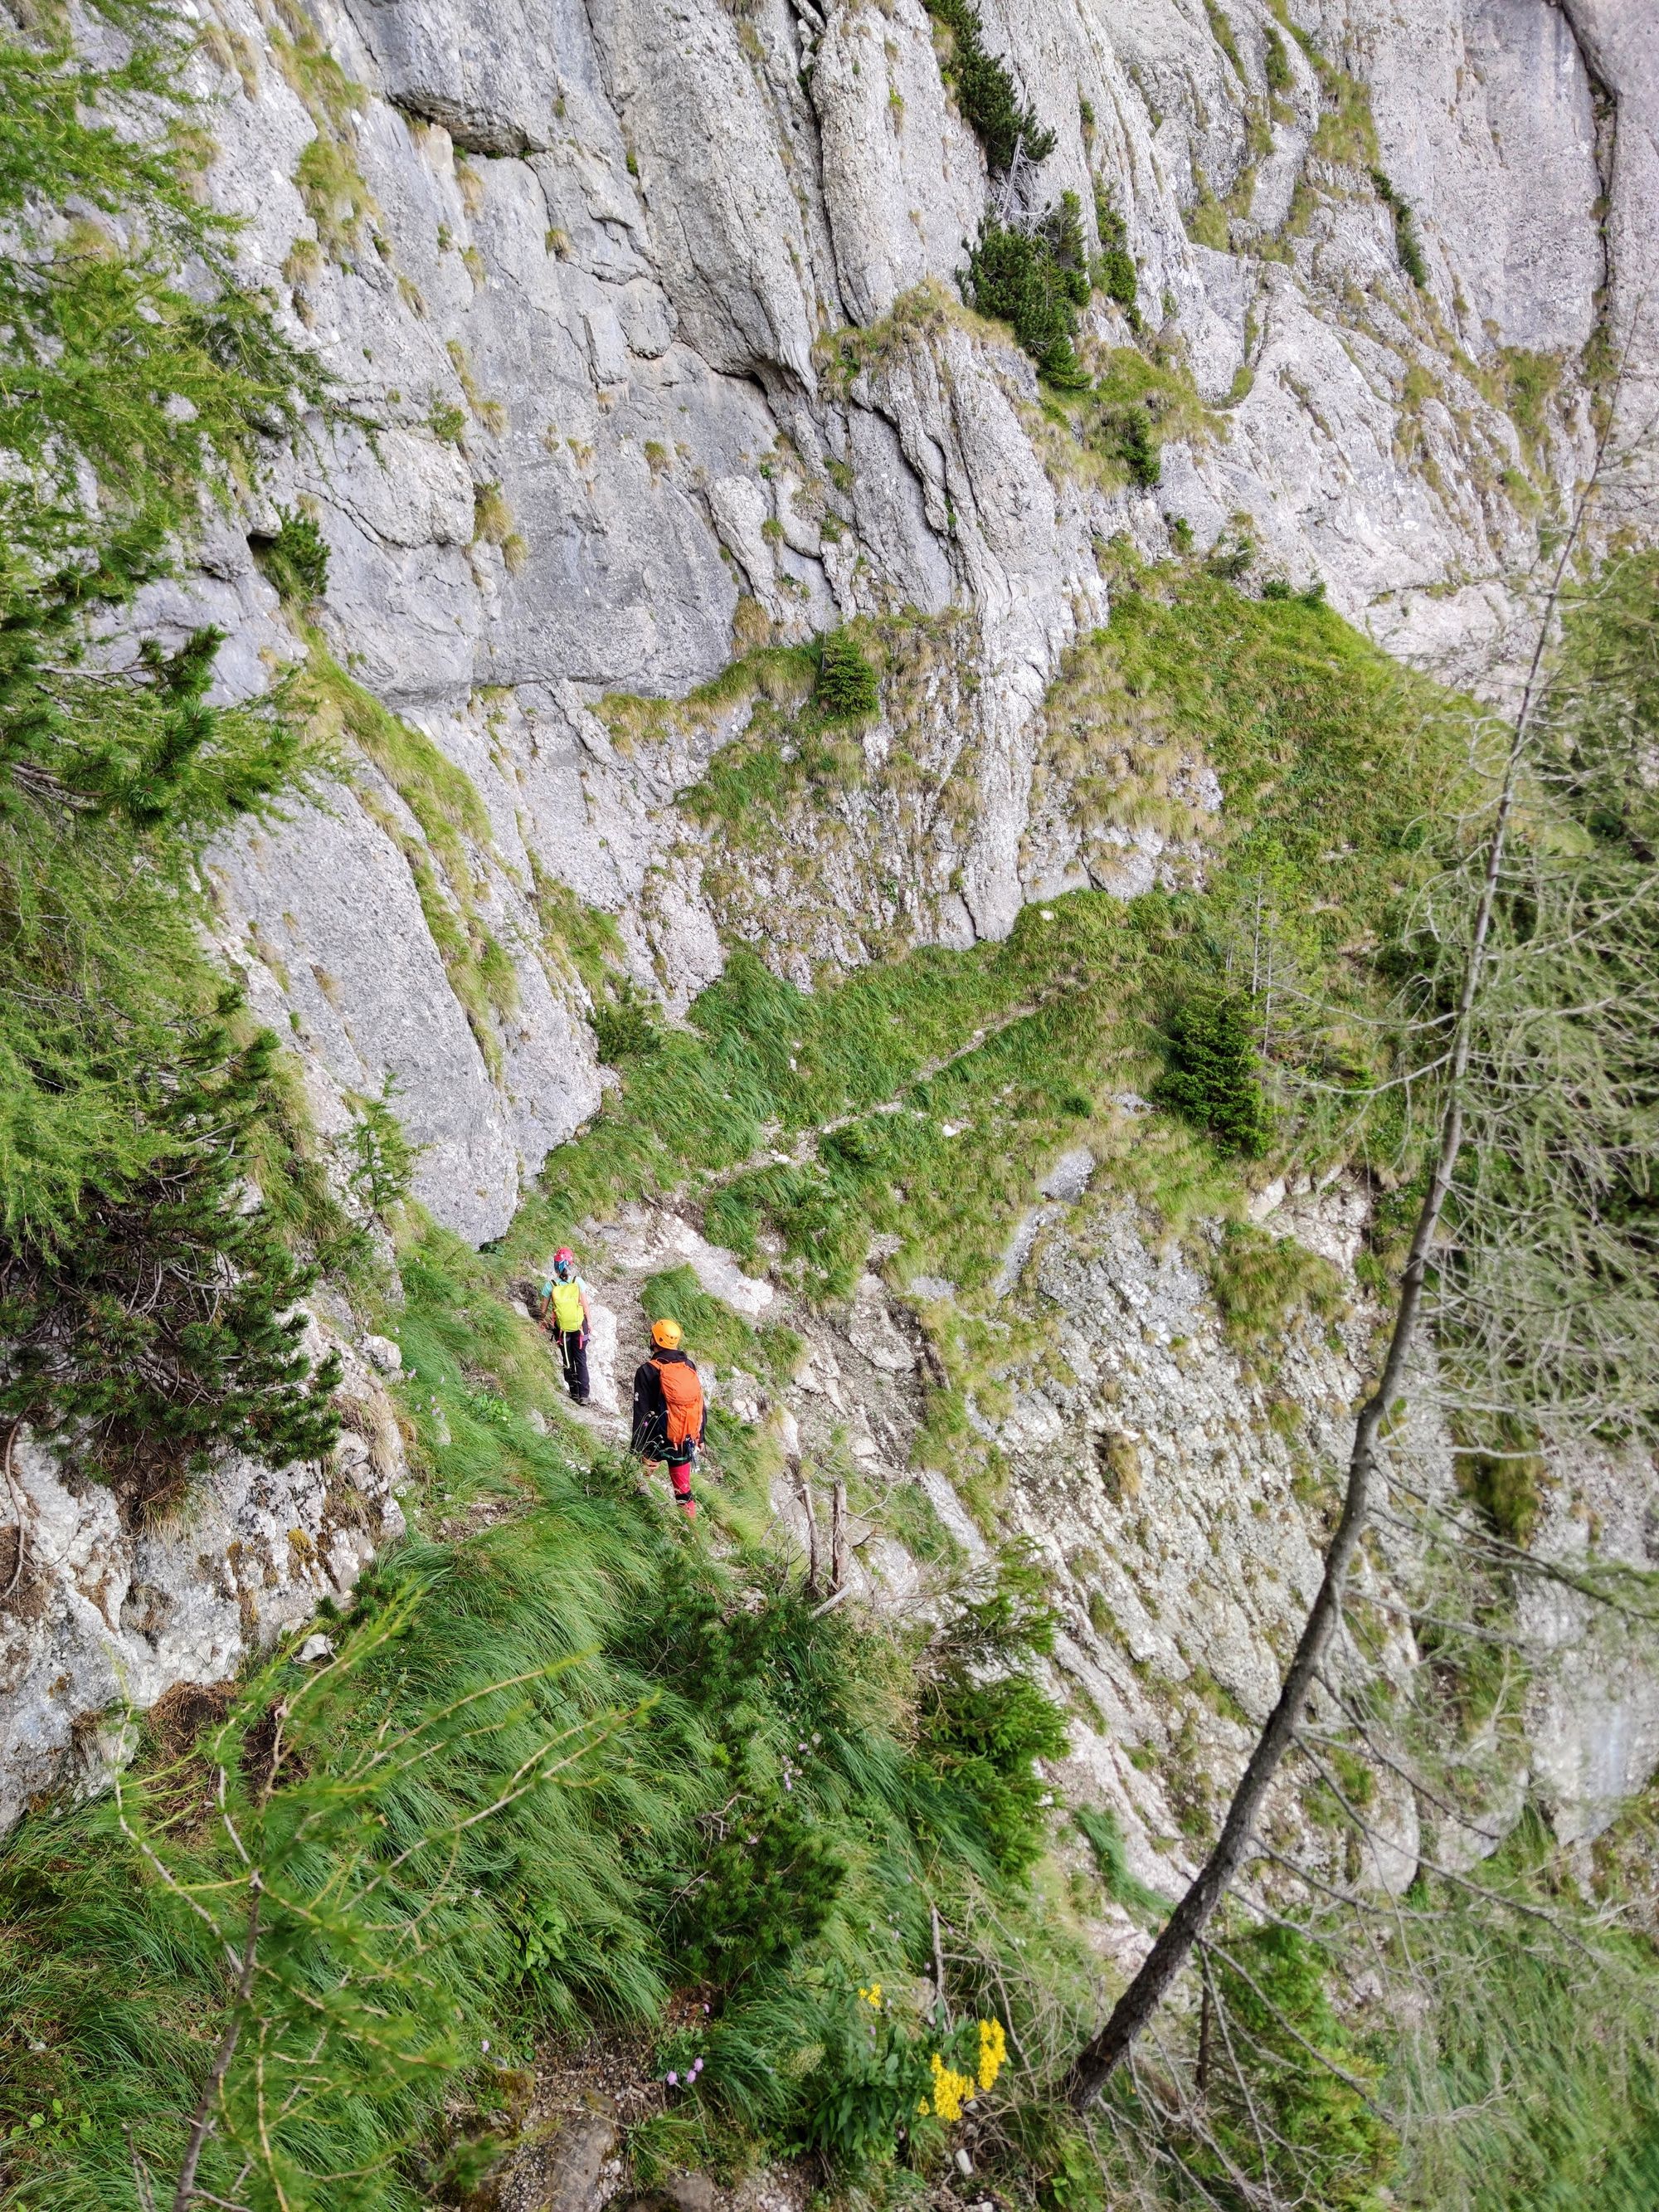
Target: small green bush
848,688
381,1156
1296,2113
1409,246
875,2087
1407,243
770,1883
624,1022
866,2090
1131,430
1071,2173
1115,270
165,1325
983,1736
1231,556
1498,1465
1212,1079
985,91
295,558
1036,279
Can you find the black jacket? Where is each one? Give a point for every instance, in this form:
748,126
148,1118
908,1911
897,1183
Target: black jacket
650,1438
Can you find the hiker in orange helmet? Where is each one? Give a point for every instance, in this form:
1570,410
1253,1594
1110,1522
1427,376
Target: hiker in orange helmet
668,1410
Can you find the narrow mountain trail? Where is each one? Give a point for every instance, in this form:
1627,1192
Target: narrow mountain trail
807,1139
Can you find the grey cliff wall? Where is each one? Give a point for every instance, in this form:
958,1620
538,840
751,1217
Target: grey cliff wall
105,1618
588,269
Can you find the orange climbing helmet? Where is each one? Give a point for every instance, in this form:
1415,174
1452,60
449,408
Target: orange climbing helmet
665,1334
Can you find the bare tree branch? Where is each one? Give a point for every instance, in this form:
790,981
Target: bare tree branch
185,2193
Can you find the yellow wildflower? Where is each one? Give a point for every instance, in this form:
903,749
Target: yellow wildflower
871,1996
993,2051
952,2090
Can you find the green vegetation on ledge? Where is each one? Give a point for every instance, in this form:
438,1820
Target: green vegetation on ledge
1329,758
1036,279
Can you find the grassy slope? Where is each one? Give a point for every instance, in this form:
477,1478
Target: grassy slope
579,1905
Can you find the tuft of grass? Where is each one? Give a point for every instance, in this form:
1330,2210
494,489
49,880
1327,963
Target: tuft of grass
1139,402
336,198
1262,1282
1099,1828
1346,132
1523,384
492,517
583,940
715,1331
441,797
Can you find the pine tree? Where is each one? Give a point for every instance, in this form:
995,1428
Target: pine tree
1213,1076
146,1294
167,1325
848,687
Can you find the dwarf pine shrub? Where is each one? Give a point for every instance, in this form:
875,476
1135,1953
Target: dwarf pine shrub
1036,279
1272,1982
1114,271
986,92
1407,245
165,1324
848,688
294,557
148,1303
1213,1076
382,1158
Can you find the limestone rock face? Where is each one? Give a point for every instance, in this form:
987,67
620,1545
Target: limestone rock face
654,312
107,1619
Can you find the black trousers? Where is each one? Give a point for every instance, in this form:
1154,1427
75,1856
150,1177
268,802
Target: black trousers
573,1352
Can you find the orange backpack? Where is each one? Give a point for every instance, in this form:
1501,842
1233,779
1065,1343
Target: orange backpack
683,1397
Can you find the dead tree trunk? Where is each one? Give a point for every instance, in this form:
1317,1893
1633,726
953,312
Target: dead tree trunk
813,1562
